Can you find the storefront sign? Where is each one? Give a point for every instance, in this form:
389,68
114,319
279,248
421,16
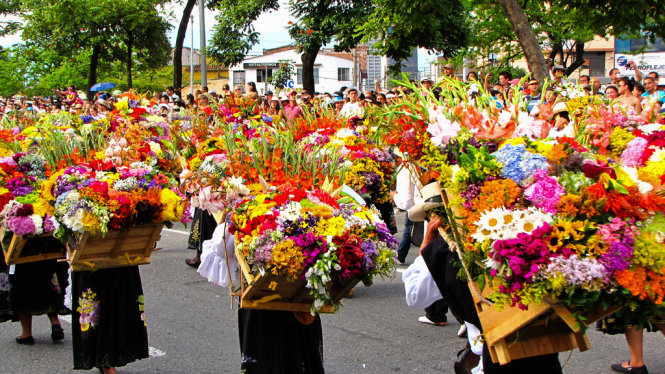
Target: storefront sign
259,65
646,62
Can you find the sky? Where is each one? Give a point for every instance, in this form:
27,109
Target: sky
271,27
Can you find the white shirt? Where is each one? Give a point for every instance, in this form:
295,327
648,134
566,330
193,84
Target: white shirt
352,109
422,291
568,131
408,189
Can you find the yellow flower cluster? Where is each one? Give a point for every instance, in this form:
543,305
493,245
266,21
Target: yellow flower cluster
333,227
91,223
173,208
286,258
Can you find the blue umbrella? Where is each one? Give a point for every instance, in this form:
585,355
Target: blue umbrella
102,86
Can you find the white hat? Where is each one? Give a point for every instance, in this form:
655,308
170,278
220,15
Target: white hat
431,199
559,108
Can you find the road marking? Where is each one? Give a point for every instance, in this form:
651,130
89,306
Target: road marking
152,351
177,231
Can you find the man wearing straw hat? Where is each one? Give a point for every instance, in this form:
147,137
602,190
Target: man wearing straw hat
433,277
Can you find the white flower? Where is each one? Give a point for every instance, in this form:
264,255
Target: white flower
442,129
37,220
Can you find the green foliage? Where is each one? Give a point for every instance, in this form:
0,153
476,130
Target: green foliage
122,28
8,7
233,34
560,25
286,70
400,26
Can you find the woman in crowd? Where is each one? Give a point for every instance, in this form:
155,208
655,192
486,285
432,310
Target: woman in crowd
275,108
34,289
108,324
252,94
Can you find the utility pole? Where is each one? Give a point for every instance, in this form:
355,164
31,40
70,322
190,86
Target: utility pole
355,67
204,68
191,60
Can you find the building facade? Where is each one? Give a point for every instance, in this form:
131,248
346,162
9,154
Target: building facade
330,72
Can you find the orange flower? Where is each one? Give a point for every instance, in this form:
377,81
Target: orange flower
568,205
643,283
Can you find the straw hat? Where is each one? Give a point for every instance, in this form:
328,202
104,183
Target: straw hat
431,199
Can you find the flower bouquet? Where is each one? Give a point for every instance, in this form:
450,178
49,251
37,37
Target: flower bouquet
112,215
302,251
26,219
557,228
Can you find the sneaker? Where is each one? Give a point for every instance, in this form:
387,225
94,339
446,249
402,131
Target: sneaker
399,262
462,331
427,321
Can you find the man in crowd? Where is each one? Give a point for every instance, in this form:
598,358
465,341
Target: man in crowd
559,73
354,107
626,98
615,75
534,99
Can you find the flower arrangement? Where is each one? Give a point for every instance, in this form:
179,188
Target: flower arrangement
96,197
309,235
577,220
23,211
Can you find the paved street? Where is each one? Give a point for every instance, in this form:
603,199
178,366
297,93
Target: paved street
192,329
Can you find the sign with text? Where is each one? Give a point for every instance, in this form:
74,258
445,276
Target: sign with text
646,62
260,65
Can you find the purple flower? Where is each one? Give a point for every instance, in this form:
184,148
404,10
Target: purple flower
22,226
617,258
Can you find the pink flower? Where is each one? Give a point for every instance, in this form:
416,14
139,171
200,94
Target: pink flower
22,226
545,192
632,155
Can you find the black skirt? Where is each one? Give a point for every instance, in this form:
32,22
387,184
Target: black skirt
108,322
203,226
5,314
275,342
37,288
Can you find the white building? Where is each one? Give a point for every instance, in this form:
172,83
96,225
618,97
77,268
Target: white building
330,72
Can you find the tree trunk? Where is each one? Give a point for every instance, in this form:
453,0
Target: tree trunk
179,42
527,39
92,72
129,63
308,58
579,57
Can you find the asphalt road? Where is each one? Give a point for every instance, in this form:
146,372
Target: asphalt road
192,328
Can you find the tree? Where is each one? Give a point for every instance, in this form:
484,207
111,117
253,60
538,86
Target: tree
527,39
233,34
401,26
286,70
142,31
179,42
562,27
102,27
318,23
321,22
8,7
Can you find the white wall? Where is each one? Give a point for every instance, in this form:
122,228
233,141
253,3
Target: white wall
327,66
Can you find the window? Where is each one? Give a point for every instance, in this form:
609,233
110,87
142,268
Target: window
343,74
261,75
299,76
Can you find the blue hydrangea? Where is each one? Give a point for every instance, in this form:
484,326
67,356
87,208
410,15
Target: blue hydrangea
518,164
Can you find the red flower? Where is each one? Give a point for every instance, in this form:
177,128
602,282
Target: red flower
25,210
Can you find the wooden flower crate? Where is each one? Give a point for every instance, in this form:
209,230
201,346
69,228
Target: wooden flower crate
20,249
128,247
547,328
271,292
